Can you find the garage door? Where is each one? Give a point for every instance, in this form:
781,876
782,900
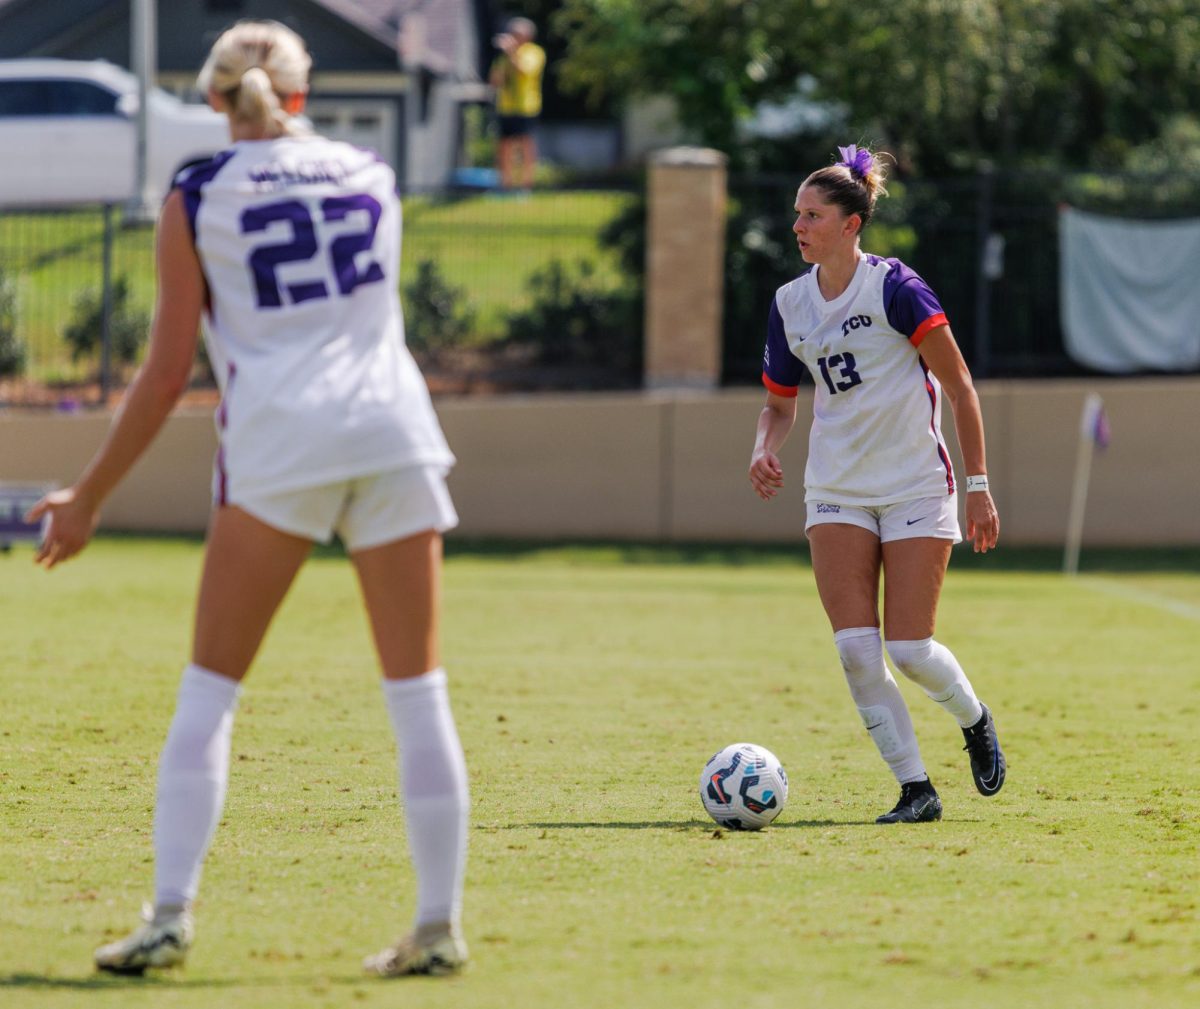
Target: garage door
363,122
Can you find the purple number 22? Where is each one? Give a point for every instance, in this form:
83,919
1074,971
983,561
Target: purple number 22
265,259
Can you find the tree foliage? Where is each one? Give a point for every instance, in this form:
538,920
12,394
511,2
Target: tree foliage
943,84
715,58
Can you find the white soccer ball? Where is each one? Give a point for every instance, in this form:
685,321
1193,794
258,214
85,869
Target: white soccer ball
743,787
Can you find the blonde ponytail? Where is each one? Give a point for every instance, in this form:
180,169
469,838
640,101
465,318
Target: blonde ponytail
258,105
253,66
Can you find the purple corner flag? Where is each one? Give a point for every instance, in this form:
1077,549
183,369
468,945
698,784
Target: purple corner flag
1095,421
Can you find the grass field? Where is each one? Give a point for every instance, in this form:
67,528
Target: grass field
489,246
486,246
591,684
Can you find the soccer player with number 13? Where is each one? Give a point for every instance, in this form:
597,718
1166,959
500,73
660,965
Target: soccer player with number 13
879,487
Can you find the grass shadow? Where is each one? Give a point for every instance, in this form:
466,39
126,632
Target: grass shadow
706,825
102,982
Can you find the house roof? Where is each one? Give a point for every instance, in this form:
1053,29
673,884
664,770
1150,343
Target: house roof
374,17
443,23
438,40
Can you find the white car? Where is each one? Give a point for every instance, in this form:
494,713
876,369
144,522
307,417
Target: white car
68,130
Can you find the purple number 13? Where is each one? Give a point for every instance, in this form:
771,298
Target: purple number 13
266,259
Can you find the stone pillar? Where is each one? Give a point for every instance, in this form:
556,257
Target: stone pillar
685,268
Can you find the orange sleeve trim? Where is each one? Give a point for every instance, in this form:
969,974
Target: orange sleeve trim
922,330
780,390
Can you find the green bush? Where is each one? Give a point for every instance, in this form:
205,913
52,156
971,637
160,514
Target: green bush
479,139
575,319
12,350
435,318
127,327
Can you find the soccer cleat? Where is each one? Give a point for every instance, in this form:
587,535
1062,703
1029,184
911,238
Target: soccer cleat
919,803
431,950
988,766
162,942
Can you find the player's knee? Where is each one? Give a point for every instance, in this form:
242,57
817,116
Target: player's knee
861,652
911,657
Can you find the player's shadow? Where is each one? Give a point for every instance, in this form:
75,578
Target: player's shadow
676,825
103,982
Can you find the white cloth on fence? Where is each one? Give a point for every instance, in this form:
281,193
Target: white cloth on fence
1130,292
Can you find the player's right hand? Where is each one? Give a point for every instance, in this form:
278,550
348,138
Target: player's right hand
73,519
766,475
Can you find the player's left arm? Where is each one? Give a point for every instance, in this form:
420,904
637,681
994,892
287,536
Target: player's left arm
75,511
940,352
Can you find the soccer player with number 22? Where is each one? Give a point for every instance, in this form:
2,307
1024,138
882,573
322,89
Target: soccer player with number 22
287,245
880,490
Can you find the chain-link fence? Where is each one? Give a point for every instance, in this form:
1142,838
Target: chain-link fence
553,280
75,293
479,272
987,244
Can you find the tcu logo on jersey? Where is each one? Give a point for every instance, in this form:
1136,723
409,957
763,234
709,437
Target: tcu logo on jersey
855,322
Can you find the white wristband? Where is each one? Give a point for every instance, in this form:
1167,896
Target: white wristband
976,483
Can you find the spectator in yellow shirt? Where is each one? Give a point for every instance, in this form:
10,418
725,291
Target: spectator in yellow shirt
517,77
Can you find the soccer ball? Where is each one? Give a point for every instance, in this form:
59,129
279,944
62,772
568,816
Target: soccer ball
743,787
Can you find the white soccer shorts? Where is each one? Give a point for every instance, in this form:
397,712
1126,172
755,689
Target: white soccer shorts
936,517
364,512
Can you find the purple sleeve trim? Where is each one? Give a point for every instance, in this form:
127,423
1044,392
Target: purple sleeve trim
375,155
780,365
907,299
191,180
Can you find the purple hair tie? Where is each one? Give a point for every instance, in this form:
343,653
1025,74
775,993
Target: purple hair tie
857,159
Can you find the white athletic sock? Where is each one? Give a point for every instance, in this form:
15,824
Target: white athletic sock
935,669
433,786
193,771
879,702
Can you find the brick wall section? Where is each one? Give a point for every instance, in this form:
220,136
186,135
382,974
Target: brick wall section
685,252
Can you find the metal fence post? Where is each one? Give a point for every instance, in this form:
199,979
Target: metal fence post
106,306
983,283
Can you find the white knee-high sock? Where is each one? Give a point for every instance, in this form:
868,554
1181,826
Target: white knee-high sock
193,771
879,702
433,786
933,667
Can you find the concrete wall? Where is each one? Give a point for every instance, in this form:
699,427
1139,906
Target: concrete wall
662,466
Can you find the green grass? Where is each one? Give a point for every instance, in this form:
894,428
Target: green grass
591,684
488,246
52,259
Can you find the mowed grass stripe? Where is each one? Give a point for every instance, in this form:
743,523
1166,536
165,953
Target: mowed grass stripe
1141,596
590,690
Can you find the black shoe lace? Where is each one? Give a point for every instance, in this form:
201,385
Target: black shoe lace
979,742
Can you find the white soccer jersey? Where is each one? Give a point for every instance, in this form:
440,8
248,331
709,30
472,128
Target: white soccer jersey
299,240
876,435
